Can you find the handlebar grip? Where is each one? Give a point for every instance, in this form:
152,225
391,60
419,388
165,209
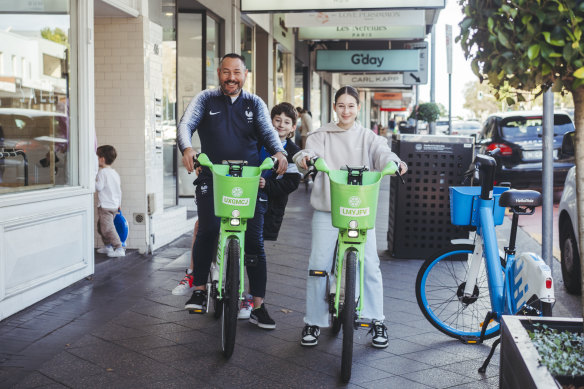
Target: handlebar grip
311,161
276,163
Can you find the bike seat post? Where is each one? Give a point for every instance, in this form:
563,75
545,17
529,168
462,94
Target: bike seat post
513,237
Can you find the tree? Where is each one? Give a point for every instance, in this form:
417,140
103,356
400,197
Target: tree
56,35
531,45
427,112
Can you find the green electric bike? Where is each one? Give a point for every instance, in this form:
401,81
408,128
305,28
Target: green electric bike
354,195
235,190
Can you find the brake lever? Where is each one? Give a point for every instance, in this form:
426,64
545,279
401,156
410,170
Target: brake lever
397,173
196,163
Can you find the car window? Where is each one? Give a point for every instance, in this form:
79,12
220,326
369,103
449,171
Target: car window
524,128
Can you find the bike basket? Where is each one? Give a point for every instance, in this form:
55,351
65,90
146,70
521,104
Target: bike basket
464,205
354,202
235,193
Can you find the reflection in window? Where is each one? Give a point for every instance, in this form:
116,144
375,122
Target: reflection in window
246,52
212,60
35,132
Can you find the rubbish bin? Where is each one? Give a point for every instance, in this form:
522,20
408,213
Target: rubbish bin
419,211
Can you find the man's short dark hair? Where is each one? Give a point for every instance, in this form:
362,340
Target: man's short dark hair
108,153
233,55
286,109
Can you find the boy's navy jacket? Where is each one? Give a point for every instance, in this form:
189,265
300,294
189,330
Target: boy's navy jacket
278,190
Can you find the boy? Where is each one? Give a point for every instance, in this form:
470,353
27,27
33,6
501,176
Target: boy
109,196
277,187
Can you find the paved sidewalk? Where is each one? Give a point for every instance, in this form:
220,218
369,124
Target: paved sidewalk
123,328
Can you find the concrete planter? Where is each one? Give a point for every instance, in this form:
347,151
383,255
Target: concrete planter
519,367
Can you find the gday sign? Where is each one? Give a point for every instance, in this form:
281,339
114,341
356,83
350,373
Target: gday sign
367,60
356,18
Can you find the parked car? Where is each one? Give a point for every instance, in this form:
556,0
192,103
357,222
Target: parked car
519,137
442,126
568,229
466,127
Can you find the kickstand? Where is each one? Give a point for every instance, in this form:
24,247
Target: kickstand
483,368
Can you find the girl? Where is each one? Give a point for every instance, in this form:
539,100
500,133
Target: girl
343,143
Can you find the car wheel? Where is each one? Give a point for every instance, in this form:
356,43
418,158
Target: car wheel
570,260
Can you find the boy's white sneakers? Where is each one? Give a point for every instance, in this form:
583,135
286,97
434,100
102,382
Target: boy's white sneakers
106,249
119,252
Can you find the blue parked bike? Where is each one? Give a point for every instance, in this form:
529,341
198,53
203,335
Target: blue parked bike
465,289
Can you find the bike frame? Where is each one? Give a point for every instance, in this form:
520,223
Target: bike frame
232,208
507,289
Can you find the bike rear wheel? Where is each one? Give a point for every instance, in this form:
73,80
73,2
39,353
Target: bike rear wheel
230,299
348,316
440,294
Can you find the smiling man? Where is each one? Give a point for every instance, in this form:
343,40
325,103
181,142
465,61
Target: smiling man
232,124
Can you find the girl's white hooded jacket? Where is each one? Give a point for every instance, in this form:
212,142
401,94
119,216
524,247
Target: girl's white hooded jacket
357,146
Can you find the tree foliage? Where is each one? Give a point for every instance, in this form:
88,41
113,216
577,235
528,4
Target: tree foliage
526,44
56,35
428,112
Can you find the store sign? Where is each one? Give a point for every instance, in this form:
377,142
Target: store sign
367,60
421,76
283,34
372,80
361,32
270,6
387,96
392,104
357,18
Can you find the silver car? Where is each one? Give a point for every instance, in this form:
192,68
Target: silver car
568,225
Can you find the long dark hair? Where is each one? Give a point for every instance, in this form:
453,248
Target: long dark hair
349,90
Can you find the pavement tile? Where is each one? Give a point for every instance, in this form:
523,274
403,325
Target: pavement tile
437,378
397,365
144,343
395,382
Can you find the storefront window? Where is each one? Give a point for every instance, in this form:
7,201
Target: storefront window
315,100
212,53
298,84
246,52
165,15
281,65
36,149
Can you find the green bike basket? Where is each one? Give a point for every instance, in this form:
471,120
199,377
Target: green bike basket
235,193
354,202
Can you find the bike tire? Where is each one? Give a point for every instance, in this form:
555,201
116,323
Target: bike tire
336,323
348,316
439,287
230,299
217,306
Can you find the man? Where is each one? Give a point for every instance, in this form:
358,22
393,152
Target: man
231,124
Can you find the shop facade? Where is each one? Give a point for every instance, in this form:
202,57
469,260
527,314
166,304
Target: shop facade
77,74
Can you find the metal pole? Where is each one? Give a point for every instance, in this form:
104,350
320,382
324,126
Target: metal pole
449,103
548,178
432,73
416,122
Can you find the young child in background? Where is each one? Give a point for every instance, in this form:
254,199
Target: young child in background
277,187
109,195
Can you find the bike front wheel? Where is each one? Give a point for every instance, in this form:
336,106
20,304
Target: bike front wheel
230,299
440,294
348,316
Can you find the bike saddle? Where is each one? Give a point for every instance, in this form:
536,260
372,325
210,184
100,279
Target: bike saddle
520,198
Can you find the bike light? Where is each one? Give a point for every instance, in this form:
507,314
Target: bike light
353,224
234,221
235,213
548,283
353,233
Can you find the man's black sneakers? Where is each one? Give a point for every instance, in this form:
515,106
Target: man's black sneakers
197,301
260,317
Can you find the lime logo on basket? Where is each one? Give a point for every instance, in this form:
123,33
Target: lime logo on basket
354,201
236,192
235,202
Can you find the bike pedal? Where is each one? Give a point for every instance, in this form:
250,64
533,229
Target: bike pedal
197,311
471,339
363,324
317,273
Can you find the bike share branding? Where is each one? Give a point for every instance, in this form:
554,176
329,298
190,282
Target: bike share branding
236,192
354,202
